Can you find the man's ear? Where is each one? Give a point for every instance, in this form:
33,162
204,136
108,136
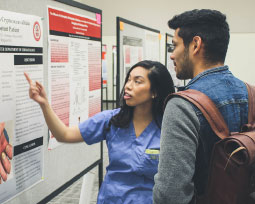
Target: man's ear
196,44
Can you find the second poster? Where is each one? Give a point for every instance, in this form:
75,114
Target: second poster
74,66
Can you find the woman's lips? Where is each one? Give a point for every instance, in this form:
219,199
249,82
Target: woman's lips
127,96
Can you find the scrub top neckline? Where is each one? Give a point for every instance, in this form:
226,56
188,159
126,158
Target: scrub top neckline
143,132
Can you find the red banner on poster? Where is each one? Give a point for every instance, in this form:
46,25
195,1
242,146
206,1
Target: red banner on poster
70,23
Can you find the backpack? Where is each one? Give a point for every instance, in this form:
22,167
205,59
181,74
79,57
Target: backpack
232,163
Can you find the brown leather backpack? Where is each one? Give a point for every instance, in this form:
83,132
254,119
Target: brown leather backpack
232,165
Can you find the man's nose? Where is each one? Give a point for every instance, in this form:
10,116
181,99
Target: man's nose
172,56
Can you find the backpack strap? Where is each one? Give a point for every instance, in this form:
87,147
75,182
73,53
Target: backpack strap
208,108
251,96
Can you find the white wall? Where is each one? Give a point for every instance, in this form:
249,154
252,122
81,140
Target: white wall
155,14
241,56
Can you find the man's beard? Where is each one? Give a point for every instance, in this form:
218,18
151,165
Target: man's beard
186,67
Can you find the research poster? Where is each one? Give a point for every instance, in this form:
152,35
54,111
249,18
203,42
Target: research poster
21,120
132,52
104,72
74,60
104,65
152,42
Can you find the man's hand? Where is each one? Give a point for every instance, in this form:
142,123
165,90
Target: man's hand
5,154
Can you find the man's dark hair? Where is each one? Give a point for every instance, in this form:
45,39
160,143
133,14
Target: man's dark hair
161,85
210,25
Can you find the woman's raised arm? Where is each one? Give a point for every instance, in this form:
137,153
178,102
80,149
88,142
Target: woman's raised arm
60,131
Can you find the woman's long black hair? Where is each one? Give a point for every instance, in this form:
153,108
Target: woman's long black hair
161,85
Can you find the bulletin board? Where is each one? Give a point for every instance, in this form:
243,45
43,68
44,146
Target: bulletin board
65,77
169,63
135,43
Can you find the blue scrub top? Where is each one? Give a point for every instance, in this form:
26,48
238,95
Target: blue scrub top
132,164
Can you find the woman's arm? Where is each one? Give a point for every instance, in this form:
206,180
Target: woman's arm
60,131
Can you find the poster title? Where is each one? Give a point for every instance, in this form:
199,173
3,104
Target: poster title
14,21
10,28
74,19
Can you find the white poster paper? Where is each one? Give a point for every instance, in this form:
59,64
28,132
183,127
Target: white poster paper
132,55
21,50
74,67
152,50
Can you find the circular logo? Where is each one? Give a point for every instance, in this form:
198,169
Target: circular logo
37,31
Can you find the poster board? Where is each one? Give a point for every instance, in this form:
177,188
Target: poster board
169,62
114,72
61,165
135,43
20,120
74,66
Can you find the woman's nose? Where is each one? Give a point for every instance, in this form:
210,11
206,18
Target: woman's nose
128,85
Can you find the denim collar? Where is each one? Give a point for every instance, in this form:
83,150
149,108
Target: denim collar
202,74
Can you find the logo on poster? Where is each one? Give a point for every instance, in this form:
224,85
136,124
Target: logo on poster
37,31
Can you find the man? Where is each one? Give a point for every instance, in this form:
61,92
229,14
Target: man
200,45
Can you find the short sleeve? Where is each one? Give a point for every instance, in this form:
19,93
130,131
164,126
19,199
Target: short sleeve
94,129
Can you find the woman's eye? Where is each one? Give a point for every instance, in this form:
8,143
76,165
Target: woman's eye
138,82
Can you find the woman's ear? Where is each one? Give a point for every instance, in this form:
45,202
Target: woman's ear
154,95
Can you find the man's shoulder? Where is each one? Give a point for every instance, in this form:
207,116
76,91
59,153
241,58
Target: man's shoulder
178,105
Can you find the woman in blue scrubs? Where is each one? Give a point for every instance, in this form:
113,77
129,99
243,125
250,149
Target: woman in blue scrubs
132,132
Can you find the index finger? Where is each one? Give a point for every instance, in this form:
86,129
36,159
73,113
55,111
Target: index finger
28,79
1,127
2,124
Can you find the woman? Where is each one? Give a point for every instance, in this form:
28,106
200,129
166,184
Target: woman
132,133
